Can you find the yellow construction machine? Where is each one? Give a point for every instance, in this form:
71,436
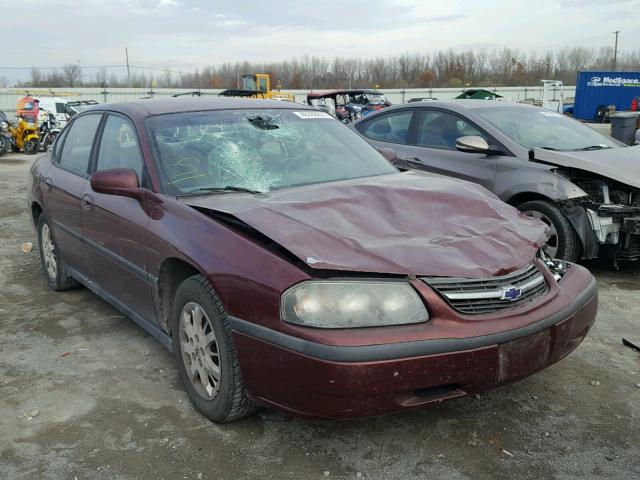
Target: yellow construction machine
257,85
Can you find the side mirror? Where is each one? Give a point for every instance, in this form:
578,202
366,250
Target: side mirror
117,181
472,144
389,154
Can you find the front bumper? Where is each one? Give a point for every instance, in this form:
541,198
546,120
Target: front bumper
340,381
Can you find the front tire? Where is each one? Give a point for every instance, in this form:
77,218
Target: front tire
563,242
51,260
206,353
4,145
31,147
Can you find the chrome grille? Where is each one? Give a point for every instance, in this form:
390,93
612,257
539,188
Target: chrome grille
486,295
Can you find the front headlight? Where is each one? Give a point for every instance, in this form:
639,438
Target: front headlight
352,304
4,125
558,267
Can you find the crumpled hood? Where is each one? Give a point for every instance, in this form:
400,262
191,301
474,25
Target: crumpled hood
620,164
405,223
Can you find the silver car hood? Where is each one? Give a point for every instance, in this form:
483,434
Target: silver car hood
620,164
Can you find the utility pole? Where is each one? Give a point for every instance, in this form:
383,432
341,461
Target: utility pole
615,51
126,53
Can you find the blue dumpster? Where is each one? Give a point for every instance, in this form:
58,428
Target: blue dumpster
595,91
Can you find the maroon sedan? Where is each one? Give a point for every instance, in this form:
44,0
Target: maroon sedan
286,263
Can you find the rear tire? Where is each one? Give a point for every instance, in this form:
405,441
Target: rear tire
205,349
564,242
52,263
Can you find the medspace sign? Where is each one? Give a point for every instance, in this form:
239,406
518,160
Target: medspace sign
613,82
597,90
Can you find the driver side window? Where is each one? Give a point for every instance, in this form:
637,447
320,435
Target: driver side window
119,147
438,129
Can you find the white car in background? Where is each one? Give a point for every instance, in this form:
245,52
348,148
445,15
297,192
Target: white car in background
55,106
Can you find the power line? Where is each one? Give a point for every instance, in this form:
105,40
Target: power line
61,66
124,65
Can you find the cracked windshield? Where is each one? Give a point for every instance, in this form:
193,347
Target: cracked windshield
257,150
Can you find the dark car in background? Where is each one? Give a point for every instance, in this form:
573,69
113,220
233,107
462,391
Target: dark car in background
348,105
286,263
583,184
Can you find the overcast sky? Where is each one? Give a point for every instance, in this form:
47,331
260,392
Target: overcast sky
184,34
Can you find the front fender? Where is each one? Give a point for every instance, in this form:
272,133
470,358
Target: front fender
548,184
31,136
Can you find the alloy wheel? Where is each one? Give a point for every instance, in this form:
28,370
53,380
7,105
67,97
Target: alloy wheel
553,243
31,147
49,252
199,348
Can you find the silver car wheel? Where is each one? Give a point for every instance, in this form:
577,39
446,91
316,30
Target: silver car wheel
49,253
553,243
199,348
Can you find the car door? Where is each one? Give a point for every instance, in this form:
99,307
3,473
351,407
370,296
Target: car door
432,147
65,182
115,227
389,130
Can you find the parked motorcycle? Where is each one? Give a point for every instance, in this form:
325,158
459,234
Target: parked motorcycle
5,136
25,135
48,130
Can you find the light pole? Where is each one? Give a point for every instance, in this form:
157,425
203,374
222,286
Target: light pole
615,51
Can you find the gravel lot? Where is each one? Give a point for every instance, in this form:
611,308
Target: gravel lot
85,393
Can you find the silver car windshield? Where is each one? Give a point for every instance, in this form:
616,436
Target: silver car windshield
536,127
257,150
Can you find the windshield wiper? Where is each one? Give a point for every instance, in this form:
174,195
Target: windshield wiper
228,188
592,147
550,148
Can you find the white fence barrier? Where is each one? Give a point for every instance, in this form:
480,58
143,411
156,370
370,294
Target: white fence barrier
10,96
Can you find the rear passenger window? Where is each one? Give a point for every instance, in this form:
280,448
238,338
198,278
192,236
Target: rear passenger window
119,146
392,127
76,149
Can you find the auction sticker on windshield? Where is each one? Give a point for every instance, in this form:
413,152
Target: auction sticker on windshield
312,114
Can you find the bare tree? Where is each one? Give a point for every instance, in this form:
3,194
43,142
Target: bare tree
72,75
445,68
36,77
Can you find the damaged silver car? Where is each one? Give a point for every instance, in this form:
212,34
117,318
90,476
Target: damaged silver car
584,185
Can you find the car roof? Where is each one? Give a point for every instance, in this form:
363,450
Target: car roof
466,104
458,106
146,108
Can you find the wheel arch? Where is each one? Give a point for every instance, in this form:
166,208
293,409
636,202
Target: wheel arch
173,271
523,197
36,211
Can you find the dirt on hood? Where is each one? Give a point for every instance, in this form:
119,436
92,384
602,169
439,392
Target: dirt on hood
405,223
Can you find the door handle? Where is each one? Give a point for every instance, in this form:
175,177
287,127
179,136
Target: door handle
86,201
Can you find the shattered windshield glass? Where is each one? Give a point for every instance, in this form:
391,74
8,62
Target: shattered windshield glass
257,150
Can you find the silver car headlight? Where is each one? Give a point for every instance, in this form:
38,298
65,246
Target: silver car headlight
352,304
558,267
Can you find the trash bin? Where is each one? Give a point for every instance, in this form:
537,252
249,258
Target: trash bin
623,127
